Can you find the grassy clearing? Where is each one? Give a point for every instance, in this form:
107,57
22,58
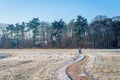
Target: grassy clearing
41,64
33,64
105,65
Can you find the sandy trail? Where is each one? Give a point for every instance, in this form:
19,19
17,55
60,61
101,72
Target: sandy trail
60,73
76,71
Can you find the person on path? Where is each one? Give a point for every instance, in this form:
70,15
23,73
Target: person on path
79,49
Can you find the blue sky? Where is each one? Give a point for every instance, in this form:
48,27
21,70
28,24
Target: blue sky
13,11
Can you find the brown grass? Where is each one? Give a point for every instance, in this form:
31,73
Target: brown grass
42,64
105,65
33,64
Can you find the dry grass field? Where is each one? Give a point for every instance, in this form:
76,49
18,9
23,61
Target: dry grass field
50,64
33,64
104,65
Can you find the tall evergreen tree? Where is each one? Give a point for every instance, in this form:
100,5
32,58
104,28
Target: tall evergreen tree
79,29
33,25
11,29
56,33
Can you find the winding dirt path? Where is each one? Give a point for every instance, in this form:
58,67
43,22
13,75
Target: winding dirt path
76,71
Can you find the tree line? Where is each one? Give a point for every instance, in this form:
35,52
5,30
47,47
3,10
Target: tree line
101,32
